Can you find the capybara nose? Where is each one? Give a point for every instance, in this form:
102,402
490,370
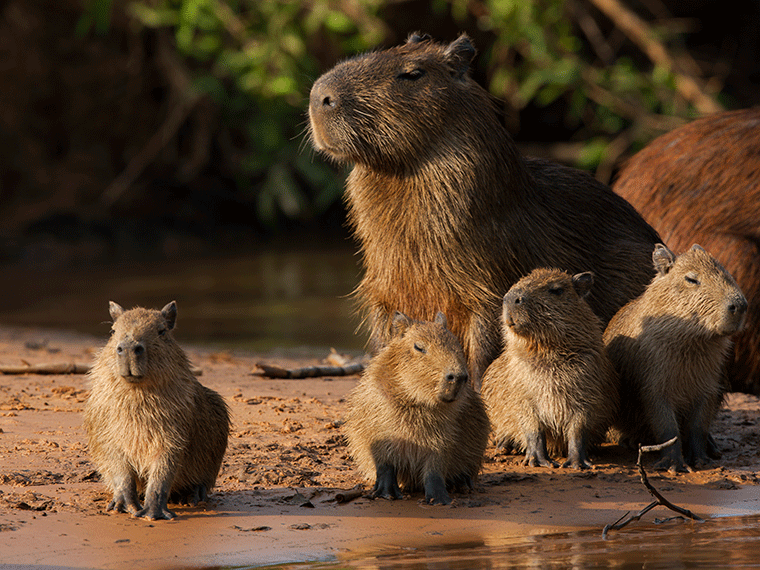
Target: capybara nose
738,306
323,98
459,378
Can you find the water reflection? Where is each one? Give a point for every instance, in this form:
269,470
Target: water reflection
717,543
274,299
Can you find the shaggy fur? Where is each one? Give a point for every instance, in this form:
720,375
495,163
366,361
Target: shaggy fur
447,212
553,382
701,182
152,427
669,347
413,418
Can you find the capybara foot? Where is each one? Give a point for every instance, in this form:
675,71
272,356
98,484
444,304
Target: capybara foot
577,463
193,496
672,464
435,491
155,512
123,504
386,485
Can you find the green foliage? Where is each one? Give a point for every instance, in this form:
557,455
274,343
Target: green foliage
257,60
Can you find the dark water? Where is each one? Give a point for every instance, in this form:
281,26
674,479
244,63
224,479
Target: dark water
267,300
732,542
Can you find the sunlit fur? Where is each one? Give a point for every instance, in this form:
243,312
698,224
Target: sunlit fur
553,376
164,428
447,213
396,414
701,182
669,346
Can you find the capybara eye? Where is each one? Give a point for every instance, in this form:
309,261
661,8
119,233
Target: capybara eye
691,279
419,348
412,75
161,332
556,291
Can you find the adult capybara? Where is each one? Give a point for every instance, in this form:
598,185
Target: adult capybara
447,212
153,429
553,381
414,419
701,182
669,347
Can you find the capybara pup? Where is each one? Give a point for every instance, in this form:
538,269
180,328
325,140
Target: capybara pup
448,214
153,429
701,183
669,347
414,419
553,381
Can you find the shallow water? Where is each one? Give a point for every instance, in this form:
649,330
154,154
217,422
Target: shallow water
273,299
730,542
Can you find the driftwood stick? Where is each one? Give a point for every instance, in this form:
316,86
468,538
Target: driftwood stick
350,495
659,499
61,368
273,371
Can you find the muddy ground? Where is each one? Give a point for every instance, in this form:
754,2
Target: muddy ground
275,499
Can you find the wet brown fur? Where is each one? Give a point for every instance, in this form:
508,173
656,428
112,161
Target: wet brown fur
669,347
415,413
152,427
701,182
553,383
447,212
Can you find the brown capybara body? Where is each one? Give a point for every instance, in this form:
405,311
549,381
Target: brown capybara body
153,429
447,212
701,182
553,383
414,419
669,347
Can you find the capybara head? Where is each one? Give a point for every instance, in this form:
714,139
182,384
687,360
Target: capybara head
427,360
392,109
548,306
141,340
696,288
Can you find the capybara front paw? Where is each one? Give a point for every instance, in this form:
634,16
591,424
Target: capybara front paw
536,461
672,464
155,513
439,497
577,463
123,505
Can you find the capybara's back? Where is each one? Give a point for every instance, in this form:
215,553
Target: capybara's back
553,383
414,419
669,347
447,212
152,427
701,182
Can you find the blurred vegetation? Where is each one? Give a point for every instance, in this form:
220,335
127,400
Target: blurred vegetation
257,61
191,114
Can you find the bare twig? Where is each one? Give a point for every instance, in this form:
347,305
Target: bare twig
274,371
659,499
61,368
350,495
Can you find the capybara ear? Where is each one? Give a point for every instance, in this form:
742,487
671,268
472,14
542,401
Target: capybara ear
440,319
169,313
115,310
663,258
582,283
399,324
417,37
459,54
697,247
